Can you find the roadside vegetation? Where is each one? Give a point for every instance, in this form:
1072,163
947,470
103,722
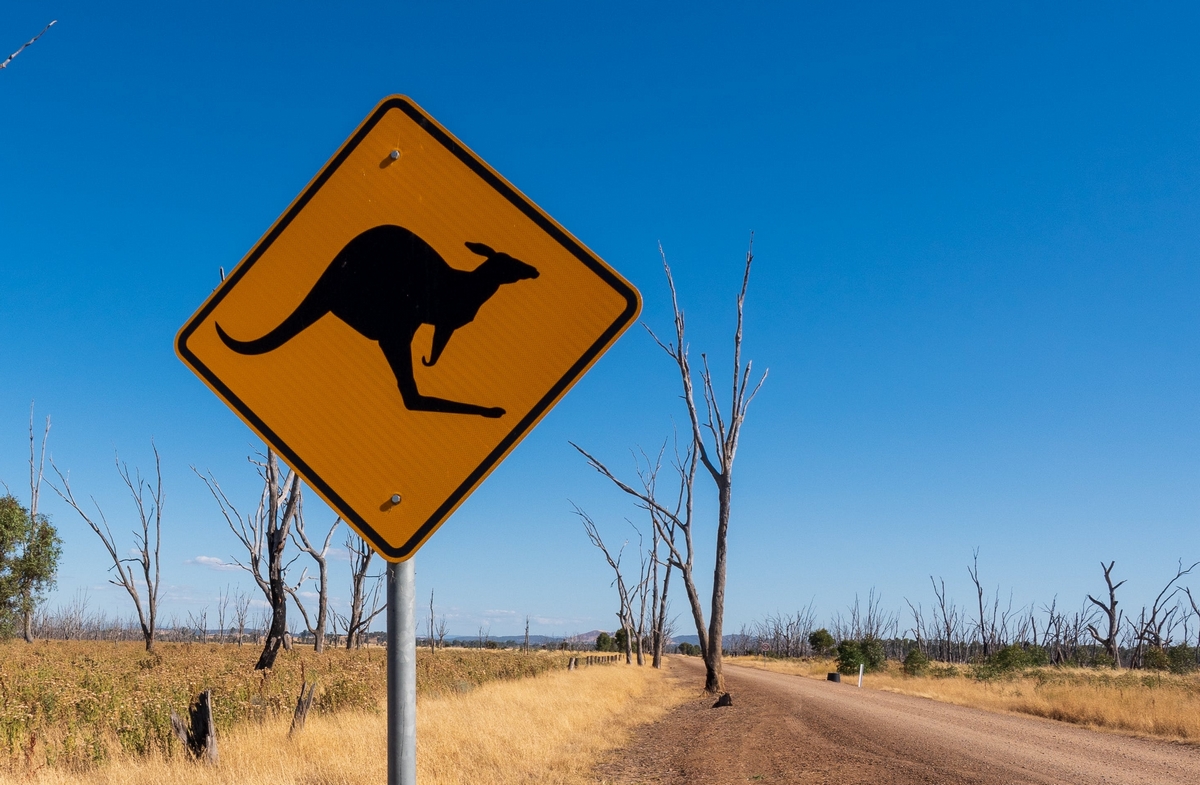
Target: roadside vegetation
475,723
75,705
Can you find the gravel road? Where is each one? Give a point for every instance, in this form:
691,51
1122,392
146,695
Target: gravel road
788,729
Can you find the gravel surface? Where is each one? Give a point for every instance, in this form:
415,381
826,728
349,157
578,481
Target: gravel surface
789,729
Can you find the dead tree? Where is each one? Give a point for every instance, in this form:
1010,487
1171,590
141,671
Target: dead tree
724,429
241,608
223,599
984,634
625,614
1149,629
949,619
364,600
643,588
1110,641
318,628
433,642
148,501
264,536
661,529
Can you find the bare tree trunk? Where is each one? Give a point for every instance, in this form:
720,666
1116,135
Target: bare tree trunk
433,643
983,631
1110,642
361,597
37,471
278,526
321,558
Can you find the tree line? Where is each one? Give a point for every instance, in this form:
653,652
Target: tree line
30,548
1097,632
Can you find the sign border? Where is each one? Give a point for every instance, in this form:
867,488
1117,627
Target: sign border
506,445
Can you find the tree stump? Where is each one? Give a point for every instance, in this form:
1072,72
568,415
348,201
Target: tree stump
200,739
303,704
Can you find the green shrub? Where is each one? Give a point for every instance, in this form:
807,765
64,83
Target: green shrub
915,663
1011,659
868,652
822,642
1181,658
605,642
1155,659
688,649
849,657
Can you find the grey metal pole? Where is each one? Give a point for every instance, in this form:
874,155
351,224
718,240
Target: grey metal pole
402,673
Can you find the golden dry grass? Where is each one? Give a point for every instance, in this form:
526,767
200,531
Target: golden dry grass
1159,705
77,704
550,728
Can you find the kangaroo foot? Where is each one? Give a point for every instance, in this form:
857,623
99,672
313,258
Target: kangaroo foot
428,403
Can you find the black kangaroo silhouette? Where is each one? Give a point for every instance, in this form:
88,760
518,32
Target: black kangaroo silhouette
385,284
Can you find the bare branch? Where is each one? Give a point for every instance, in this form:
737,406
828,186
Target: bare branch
27,44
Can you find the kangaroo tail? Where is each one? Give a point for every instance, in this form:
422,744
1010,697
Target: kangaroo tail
301,318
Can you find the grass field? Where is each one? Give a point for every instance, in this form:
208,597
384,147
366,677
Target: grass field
1160,705
74,705
548,728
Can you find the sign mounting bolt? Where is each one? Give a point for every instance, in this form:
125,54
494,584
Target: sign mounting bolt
395,154
395,498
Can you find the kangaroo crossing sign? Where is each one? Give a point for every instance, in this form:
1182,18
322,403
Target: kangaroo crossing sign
403,325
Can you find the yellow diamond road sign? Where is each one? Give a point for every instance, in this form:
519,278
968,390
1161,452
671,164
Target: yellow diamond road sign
403,325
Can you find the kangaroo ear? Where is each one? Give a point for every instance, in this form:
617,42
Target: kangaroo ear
480,249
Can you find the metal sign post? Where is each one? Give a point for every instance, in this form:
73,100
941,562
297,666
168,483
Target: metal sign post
402,673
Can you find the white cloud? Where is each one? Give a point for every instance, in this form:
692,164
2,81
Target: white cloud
213,563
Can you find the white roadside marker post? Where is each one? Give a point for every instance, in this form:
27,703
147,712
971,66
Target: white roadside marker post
402,673
860,673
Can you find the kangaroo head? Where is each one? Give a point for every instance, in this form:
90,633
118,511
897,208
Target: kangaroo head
502,267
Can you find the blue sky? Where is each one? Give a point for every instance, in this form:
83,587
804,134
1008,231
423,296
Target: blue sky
976,232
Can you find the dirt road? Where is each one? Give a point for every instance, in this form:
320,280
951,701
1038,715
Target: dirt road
788,729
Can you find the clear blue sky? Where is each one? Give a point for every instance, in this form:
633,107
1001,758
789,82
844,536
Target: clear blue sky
976,284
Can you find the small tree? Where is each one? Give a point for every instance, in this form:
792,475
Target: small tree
821,641
148,500
604,642
29,554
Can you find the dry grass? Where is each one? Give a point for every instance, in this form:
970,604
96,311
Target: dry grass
1158,705
77,704
548,729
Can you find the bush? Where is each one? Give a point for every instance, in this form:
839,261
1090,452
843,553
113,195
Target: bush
868,652
1181,658
821,641
1011,659
605,642
915,663
688,649
1155,659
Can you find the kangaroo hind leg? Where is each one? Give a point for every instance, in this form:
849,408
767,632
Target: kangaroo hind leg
399,356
